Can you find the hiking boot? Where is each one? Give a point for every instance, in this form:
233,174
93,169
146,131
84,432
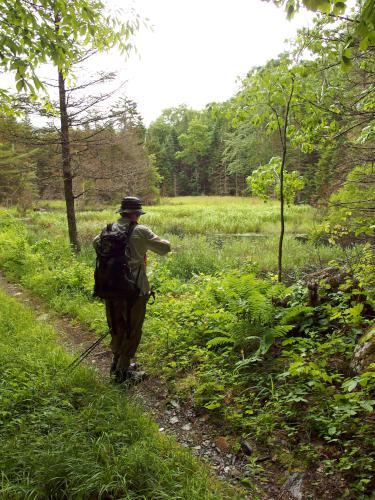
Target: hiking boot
136,377
119,376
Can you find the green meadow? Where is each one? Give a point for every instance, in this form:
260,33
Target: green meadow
211,234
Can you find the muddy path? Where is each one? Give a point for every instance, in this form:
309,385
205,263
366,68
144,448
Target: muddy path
224,454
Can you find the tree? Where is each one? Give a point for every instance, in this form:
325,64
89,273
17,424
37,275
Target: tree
267,96
17,175
162,141
362,33
60,32
265,181
35,32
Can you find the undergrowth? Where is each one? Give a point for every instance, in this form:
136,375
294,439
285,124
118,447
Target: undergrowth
259,357
73,436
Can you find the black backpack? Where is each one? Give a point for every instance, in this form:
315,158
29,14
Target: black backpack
113,276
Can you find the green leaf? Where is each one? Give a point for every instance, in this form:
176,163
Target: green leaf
350,385
212,406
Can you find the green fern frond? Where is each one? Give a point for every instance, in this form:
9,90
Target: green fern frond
218,341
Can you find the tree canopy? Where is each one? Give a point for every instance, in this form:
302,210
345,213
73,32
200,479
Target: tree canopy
54,31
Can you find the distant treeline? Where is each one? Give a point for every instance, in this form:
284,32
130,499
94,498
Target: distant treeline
330,131
108,159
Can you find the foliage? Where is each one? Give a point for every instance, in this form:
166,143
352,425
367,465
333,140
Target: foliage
329,133
55,31
265,181
352,205
254,354
17,176
363,23
71,435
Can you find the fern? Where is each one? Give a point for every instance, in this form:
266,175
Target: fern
266,340
219,341
294,314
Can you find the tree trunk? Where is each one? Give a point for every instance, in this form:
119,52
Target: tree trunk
282,218
283,137
66,166
174,184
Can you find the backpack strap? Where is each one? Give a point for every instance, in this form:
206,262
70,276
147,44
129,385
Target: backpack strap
131,229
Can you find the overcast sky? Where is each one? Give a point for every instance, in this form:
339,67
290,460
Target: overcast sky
198,49
195,51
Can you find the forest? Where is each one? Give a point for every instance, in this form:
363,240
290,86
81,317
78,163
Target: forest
260,344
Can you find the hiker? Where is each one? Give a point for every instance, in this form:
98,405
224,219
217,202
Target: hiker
125,316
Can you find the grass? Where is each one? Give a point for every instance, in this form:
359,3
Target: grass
73,436
202,327
206,234
205,215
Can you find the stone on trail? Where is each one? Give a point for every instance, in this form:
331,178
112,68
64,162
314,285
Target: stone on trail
223,444
294,485
174,420
186,427
246,448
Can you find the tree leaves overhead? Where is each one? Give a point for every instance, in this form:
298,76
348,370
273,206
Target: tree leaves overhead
363,33
55,31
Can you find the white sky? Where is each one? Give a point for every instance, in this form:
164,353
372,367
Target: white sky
198,49
195,52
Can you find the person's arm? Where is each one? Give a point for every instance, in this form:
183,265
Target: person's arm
155,243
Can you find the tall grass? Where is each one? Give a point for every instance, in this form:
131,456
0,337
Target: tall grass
202,215
209,234
72,436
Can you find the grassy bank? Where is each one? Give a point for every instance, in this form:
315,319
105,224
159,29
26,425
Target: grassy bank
72,436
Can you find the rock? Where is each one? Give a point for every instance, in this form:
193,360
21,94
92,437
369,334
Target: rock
294,485
364,352
204,418
174,420
186,427
175,404
223,444
234,472
161,429
197,448
246,448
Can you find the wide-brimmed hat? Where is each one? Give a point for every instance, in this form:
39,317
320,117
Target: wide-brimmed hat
131,205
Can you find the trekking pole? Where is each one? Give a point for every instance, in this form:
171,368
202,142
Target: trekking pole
84,355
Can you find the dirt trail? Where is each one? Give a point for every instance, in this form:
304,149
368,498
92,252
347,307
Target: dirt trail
180,420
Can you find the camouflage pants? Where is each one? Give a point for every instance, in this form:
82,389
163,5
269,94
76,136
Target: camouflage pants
125,322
